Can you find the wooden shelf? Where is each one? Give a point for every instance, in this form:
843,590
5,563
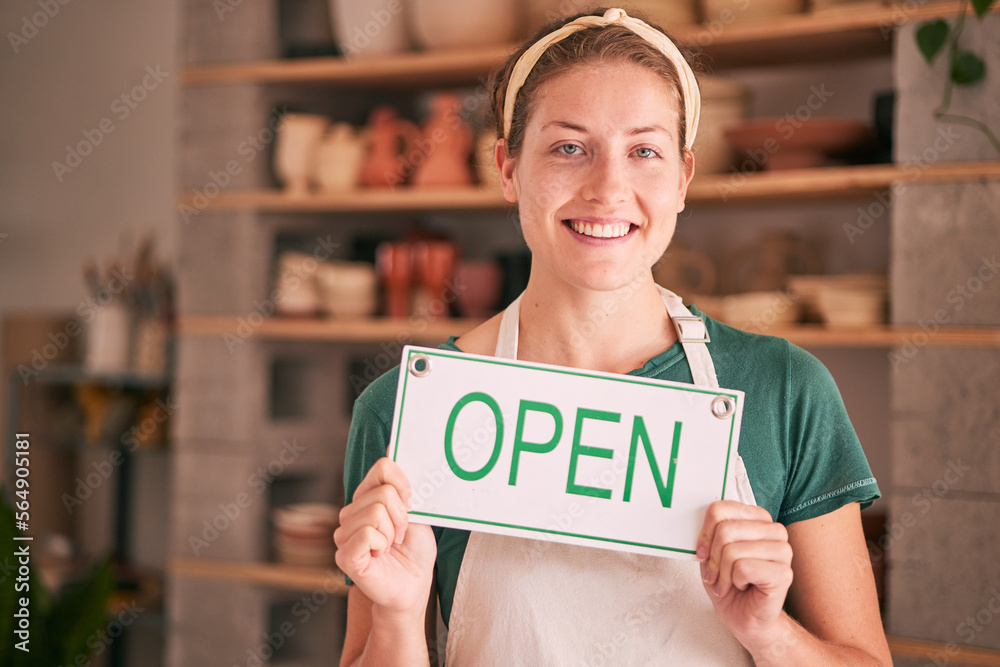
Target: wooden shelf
712,189
403,199
437,331
841,33
404,70
290,577
954,653
832,182
332,330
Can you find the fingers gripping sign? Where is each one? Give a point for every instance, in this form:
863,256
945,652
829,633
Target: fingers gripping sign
746,565
389,559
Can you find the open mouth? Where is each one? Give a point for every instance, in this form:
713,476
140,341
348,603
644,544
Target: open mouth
610,230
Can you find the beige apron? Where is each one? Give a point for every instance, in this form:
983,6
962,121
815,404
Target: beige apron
533,602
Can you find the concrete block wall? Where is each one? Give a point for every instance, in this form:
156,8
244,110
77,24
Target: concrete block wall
943,573
259,422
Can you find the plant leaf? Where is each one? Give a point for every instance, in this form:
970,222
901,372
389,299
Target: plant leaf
981,7
931,36
967,69
79,613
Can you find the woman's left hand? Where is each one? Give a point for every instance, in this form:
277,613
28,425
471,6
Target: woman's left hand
746,567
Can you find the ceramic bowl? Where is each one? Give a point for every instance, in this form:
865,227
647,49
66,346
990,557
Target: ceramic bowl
753,311
845,299
347,289
776,143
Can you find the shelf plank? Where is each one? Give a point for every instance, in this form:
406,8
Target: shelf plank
436,331
290,577
711,189
852,31
451,67
404,199
346,330
833,182
955,654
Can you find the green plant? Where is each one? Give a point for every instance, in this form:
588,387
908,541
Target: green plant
965,68
60,625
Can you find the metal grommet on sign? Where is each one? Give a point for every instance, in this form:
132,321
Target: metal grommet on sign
419,365
723,406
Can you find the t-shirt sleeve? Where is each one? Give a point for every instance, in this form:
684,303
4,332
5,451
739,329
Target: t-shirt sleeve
828,466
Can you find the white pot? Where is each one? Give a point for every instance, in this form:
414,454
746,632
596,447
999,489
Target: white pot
298,138
445,24
365,28
339,159
108,339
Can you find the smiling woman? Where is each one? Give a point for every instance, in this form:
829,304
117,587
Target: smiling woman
596,116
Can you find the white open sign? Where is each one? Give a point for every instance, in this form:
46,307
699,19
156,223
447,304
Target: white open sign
533,450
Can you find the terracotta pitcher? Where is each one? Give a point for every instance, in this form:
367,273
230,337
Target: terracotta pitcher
390,139
446,146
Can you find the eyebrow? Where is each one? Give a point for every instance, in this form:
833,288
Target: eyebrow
579,128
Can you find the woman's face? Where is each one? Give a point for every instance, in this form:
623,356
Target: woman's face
599,180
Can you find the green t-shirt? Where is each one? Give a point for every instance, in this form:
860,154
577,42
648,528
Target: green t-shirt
802,455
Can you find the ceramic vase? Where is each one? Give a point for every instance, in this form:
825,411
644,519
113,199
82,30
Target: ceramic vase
298,138
394,263
477,287
108,339
445,24
365,28
442,157
390,140
339,158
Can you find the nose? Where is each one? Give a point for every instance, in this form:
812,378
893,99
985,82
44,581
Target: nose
606,181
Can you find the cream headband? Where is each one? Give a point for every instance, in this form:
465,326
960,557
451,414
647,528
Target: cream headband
689,86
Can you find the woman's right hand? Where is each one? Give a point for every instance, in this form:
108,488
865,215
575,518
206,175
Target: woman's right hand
389,559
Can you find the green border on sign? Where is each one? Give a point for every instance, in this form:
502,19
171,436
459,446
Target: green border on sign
629,379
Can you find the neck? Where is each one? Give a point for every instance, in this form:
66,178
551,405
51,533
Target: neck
614,331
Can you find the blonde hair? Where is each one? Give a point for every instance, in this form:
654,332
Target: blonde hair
605,44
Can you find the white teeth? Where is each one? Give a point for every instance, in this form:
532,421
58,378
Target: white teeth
611,231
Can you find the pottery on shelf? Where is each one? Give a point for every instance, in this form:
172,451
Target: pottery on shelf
339,158
850,299
394,263
724,103
666,13
347,289
295,150
390,140
433,269
765,264
366,28
445,146
477,287
685,271
303,533
777,143
295,285
445,24
740,11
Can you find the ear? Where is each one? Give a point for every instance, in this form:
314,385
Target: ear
687,173
505,165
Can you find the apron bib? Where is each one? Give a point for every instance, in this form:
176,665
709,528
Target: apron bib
522,601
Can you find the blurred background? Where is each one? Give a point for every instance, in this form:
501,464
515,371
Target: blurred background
221,220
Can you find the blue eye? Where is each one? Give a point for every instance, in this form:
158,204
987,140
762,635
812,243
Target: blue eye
569,149
645,152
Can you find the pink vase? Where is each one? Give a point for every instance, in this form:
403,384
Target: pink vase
477,285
